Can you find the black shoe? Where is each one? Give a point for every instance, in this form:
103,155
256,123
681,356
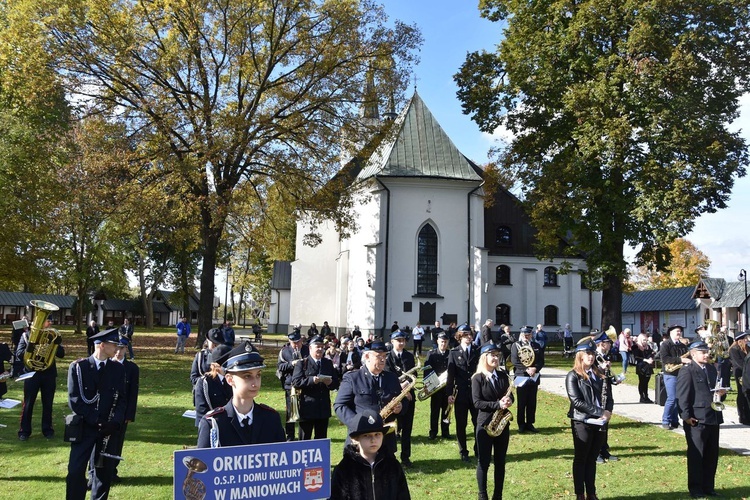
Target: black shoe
465,457
713,493
447,436
432,437
51,435
532,429
648,400
600,459
23,437
522,429
675,425
405,462
612,458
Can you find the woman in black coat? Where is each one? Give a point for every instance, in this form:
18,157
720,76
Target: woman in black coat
491,391
590,394
644,365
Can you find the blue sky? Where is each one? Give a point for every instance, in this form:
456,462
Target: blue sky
451,28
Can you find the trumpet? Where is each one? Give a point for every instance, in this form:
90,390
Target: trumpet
717,404
449,410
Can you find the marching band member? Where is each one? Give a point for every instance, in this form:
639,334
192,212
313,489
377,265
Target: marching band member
591,406
370,388
315,377
212,390
398,361
291,354
437,361
671,352
44,382
527,393
604,353
462,363
132,382
242,420
738,351
695,383
96,392
644,365
202,360
490,391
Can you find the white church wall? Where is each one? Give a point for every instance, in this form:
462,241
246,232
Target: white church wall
443,204
365,247
314,272
527,296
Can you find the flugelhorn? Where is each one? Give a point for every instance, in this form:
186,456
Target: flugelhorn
40,353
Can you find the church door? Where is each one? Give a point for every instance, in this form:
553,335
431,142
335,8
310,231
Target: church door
427,313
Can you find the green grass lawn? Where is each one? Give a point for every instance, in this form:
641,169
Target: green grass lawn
652,465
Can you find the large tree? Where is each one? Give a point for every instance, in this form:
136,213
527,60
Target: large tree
231,91
619,114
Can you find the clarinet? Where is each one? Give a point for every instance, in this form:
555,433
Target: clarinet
105,440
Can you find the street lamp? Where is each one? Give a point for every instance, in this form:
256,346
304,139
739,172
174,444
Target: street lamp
743,277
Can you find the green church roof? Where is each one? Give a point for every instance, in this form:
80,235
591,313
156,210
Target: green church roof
419,148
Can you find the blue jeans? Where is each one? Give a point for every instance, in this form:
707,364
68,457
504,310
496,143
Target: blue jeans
669,417
624,355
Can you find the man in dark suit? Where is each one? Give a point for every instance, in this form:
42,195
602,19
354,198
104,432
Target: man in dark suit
437,361
44,382
315,378
370,388
291,354
400,360
96,392
132,383
696,382
462,363
126,331
737,354
526,394
242,421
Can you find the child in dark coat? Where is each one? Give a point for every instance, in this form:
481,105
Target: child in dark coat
367,471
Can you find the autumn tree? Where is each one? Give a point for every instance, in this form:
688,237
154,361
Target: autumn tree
687,266
97,160
619,114
34,118
231,92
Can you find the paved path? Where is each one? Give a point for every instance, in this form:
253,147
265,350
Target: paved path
733,436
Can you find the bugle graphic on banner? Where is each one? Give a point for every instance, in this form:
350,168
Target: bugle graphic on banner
297,470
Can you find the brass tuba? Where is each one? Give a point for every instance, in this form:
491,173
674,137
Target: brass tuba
40,353
717,341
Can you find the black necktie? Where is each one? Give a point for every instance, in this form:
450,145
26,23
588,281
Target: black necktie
101,365
246,422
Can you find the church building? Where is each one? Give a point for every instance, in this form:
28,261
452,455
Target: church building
426,249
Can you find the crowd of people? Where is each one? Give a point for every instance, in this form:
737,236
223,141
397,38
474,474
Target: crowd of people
484,376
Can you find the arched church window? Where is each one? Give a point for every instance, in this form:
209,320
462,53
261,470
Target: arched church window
427,260
550,277
502,314
503,236
584,317
550,315
502,275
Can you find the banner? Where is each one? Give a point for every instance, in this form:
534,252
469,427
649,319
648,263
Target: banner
296,470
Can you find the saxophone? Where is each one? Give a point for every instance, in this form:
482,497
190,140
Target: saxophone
673,367
501,418
411,376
